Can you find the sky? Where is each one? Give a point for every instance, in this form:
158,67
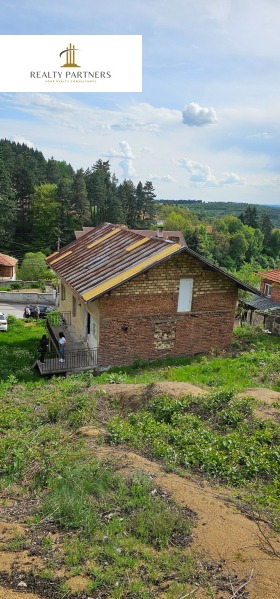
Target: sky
206,125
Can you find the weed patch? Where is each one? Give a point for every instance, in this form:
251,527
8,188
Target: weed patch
215,435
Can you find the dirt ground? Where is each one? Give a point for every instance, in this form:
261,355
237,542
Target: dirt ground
248,549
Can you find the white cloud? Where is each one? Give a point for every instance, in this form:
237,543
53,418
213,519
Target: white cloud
199,173
163,179
232,179
18,139
125,151
195,115
126,154
129,171
85,118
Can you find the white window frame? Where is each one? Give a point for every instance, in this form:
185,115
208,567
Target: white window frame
267,289
185,295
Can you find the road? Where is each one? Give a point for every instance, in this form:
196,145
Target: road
15,309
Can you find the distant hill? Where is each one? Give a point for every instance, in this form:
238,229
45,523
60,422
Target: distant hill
212,210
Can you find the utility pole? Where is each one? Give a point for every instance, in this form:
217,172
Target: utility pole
58,240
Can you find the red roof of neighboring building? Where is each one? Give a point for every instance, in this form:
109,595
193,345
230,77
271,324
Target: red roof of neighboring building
7,260
271,275
175,236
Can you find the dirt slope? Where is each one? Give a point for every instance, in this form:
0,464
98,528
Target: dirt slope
222,533
246,548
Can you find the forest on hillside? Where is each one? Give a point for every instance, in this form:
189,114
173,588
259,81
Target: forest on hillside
214,210
44,201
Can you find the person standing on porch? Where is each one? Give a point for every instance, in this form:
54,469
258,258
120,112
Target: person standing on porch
42,349
61,342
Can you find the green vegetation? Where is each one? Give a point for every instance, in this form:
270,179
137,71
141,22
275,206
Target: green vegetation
36,192
19,349
45,201
122,532
215,435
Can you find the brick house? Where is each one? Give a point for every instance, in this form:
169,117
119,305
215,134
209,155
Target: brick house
132,296
270,284
7,268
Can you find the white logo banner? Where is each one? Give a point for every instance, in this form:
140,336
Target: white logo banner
71,63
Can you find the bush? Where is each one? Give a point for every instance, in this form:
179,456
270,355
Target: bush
16,286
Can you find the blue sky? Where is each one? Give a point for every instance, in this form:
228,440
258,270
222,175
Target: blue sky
206,125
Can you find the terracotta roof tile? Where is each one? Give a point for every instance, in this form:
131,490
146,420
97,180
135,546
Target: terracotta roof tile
7,260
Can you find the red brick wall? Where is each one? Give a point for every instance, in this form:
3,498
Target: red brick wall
140,318
275,289
6,271
275,293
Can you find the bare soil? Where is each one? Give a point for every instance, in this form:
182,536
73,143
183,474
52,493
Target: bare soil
245,547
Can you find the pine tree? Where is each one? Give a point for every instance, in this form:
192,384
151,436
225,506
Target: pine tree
7,208
80,198
250,217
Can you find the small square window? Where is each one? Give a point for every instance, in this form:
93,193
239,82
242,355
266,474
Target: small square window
267,289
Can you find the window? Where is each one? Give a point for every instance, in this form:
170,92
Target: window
267,289
74,306
185,295
63,292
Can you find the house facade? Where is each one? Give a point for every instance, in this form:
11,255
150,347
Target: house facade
270,284
135,297
7,268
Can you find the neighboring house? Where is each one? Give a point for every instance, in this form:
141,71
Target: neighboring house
133,297
175,236
7,268
270,284
160,233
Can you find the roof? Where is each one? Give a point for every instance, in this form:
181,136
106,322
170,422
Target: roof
261,303
80,233
271,275
109,255
7,260
166,235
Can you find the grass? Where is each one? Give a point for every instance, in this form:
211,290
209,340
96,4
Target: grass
127,536
19,349
123,534
216,436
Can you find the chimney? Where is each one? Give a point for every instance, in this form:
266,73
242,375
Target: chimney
160,229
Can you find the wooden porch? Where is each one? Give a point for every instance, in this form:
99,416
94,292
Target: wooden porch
78,357
75,361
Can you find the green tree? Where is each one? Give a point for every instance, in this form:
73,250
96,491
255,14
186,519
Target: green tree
33,267
45,217
8,211
266,227
238,247
250,217
80,198
275,242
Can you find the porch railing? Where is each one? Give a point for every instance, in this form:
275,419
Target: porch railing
74,360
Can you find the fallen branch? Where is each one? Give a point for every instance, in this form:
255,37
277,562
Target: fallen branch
242,586
188,594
